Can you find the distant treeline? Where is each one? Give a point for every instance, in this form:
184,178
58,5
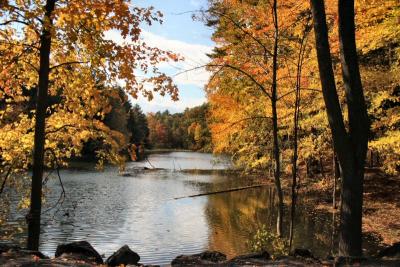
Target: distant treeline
186,130
160,130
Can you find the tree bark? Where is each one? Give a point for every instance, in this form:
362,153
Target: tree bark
350,147
33,217
275,130
336,175
350,237
295,135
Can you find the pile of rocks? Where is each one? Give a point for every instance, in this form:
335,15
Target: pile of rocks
82,254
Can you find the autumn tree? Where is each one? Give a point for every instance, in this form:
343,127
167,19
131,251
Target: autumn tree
253,63
61,48
241,115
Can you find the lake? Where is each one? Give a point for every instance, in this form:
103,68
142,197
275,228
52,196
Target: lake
110,210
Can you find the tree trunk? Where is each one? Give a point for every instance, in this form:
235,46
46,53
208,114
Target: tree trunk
33,217
274,99
295,136
371,159
350,238
336,175
350,147
321,166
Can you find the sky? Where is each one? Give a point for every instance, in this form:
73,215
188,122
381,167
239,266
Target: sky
191,39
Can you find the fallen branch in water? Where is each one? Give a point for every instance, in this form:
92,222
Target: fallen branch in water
224,191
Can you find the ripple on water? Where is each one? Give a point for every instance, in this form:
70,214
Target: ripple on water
109,211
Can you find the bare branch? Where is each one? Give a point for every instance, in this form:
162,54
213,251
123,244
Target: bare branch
242,120
60,128
62,195
68,63
6,177
221,66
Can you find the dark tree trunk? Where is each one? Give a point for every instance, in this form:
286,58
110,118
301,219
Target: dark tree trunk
350,147
336,175
33,217
274,99
352,185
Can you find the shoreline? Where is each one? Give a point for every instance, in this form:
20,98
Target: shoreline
82,254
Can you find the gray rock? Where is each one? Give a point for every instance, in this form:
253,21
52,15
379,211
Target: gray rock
259,258
204,258
258,255
8,247
124,256
304,253
81,250
392,252
38,254
20,251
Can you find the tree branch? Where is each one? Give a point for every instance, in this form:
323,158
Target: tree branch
68,63
60,128
5,178
242,120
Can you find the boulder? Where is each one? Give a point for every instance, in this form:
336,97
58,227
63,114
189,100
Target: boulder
21,252
259,258
204,258
304,253
35,253
8,247
392,252
81,250
124,256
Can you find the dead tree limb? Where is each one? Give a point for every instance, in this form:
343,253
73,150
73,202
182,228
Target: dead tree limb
223,191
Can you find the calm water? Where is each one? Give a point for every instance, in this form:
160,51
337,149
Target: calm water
110,210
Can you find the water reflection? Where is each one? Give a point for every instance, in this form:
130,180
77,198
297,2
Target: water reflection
236,216
109,211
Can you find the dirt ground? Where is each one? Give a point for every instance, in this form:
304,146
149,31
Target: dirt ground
381,215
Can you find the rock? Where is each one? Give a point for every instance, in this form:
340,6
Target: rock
212,256
7,247
124,256
37,254
81,250
258,255
304,253
4,248
259,258
392,252
204,258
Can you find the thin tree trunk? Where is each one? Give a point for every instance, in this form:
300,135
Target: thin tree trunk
321,166
33,217
371,159
333,237
274,99
350,237
295,136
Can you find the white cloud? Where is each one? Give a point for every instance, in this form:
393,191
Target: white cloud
160,103
186,73
195,56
